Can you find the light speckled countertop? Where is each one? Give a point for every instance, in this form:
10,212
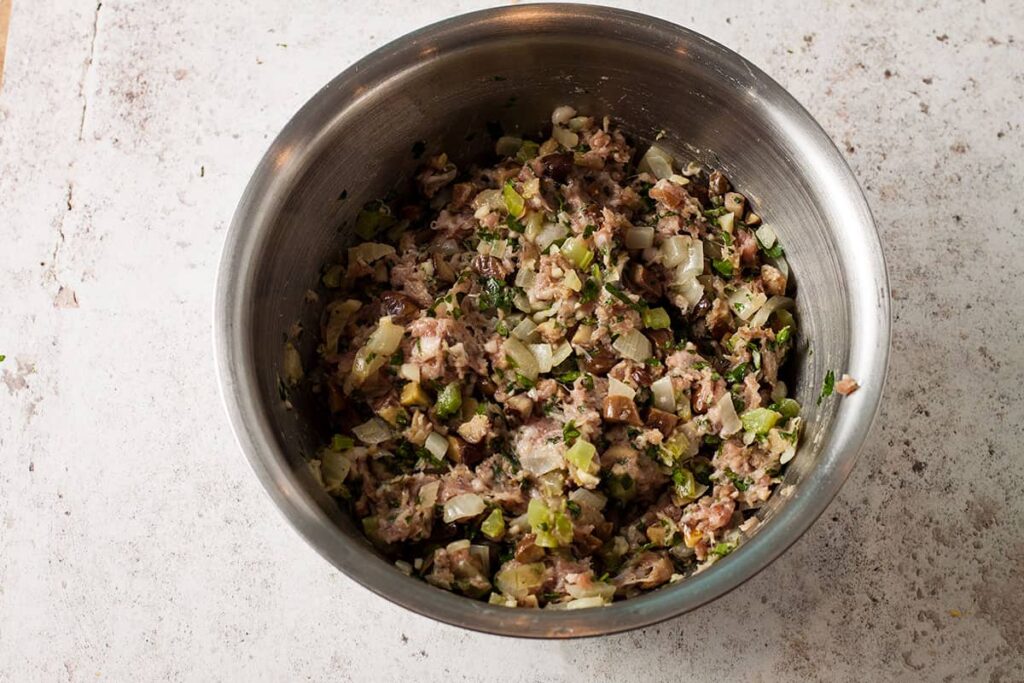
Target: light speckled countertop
135,544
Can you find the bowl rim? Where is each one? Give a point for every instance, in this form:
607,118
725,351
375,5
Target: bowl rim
868,358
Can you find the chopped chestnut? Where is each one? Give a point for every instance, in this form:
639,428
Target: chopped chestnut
661,339
662,421
489,266
645,281
520,405
400,307
620,410
599,361
527,549
462,452
557,166
718,184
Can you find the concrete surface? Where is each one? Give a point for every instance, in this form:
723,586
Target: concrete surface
135,544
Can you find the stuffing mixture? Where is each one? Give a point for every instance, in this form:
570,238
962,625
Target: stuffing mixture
555,381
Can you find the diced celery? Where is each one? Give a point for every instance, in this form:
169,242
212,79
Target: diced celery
552,527
759,420
787,407
514,201
414,395
494,526
685,484
449,400
576,250
527,151
581,454
341,443
656,319
537,513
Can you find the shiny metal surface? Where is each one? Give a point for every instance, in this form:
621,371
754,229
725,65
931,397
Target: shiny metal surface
513,65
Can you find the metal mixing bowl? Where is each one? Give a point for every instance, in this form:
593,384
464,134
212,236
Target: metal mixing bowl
443,85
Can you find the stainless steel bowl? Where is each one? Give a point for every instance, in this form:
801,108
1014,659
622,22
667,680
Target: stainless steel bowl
513,65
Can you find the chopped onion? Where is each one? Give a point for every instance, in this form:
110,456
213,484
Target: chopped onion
766,236
779,391
549,234
664,394
561,115
657,162
544,458
565,137
458,546
727,413
436,444
583,603
386,339
617,388
487,201
633,345
428,494
525,362
524,330
368,252
542,352
577,123
639,237
373,431
572,281
522,302
744,303
679,179
725,222
519,580
334,469
561,354
691,290
587,498
463,506
410,371
782,265
675,250
483,554
694,263
772,305
596,588
525,278
499,248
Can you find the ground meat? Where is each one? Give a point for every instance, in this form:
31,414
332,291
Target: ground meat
402,514
489,380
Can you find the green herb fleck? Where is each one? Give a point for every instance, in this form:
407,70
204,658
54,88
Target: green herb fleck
723,267
614,290
570,433
736,374
828,386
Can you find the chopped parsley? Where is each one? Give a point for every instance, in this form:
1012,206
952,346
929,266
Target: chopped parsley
783,335
736,374
615,291
496,294
570,432
722,549
514,224
723,267
738,481
589,291
828,386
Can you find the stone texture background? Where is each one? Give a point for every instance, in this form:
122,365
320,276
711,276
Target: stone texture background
135,544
